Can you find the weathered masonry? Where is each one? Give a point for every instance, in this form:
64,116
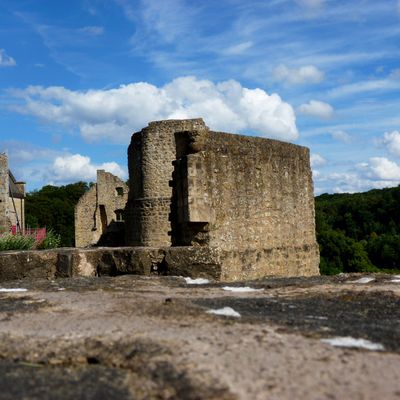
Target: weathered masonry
99,214
240,205
12,199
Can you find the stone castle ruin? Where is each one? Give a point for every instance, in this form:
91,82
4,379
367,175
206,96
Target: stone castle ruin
246,203
12,200
99,214
239,206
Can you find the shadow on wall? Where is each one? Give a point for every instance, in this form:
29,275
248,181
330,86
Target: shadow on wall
113,234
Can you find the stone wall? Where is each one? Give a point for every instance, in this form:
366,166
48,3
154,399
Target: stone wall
99,214
12,198
86,220
4,184
109,261
19,204
251,198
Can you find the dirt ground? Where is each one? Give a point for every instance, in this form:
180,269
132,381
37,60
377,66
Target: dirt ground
133,337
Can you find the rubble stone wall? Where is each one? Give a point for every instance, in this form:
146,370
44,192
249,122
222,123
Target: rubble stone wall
86,223
19,211
12,207
99,214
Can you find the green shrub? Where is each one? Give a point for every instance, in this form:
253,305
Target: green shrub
16,242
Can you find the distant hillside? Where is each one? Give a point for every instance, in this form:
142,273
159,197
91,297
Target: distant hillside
359,232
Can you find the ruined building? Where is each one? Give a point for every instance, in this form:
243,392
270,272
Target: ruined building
99,214
239,205
206,203
12,200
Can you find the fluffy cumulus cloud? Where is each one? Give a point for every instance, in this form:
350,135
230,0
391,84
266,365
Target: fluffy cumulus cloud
317,109
392,141
75,167
6,60
375,173
115,113
297,76
381,168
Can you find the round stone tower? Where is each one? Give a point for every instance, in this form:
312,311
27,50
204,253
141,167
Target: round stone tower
150,157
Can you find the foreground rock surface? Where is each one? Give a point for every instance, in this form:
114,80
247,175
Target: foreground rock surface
136,337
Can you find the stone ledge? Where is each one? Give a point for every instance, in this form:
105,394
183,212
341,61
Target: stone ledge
193,261
111,261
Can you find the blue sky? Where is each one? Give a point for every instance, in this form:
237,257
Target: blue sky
77,78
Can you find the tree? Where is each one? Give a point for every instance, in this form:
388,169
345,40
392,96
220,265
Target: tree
360,231
53,207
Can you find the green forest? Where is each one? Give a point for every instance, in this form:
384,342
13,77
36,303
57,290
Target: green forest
357,232
52,207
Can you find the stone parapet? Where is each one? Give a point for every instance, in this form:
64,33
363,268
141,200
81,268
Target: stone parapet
191,261
110,261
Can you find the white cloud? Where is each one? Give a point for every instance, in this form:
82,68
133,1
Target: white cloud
302,75
341,136
376,173
351,181
317,109
381,168
76,167
92,30
365,86
22,152
37,165
392,141
238,48
6,60
115,113
317,160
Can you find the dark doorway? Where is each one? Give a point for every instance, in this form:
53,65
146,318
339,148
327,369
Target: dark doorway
103,218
